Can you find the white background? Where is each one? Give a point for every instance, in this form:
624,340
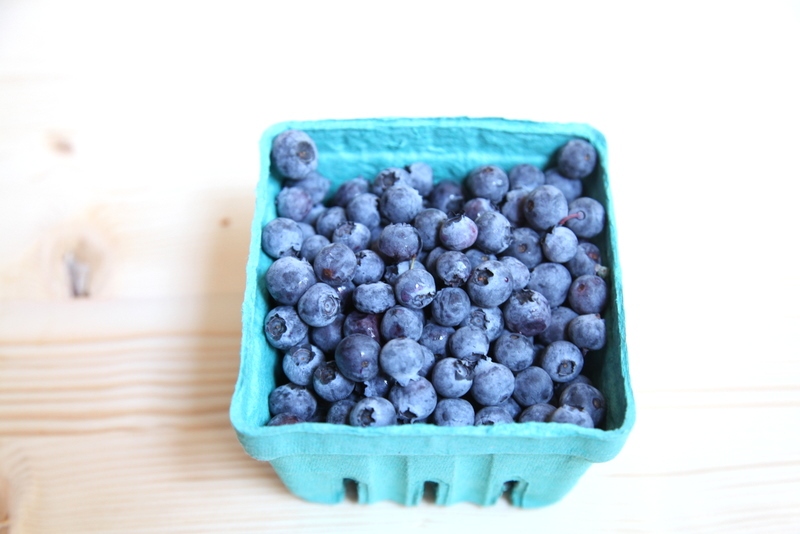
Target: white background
698,102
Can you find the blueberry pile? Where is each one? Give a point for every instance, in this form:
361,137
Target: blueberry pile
470,301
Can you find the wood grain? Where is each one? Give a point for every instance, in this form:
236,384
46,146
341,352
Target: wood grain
128,162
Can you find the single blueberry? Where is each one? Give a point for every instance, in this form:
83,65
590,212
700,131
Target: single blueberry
294,154
571,189
284,328
328,336
353,234
586,397
312,245
399,242
527,312
373,412
427,223
335,264
452,377
281,237
560,316
292,399
349,190
458,233
490,320
399,321
288,278
357,357
319,306
475,206
293,203
401,358
492,383
544,207
316,185
587,331
490,284
488,181
533,386
389,177
364,209
572,415
450,306
513,350
447,196
562,360
477,256
577,159
300,361
525,247
328,220
494,232
512,207
435,338
525,176
373,298
493,415
453,268
468,343
520,274
330,384
538,413
586,217
421,177
588,294
400,204
415,288
551,280
369,267
367,324
339,412
414,401
454,412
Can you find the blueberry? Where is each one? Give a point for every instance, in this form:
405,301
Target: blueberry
551,280
435,338
577,159
447,196
330,384
349,190
307,229
489,320
493,415
354,235
458,233
572,415
300,361
367,324
490,284
475,206
416,400
393,271
453,268
294,154
586,261
533,386
339,412
454,412
520,275
525,176
494,232
400,204
288,278
364,209
450,306
587,217
538,413
389,177
559,387
281,237
586,397
284,328
511,406
468,343
492,383
319,306
373,298
571,189
488,181
401,358
292,399
427,223
562,360
527,312
312,245
513,350
587,331
399,321
335,264
525,247
316,185
328,220
588,294
512,207
373,411
328,336
293,203
421,177
399,242
559,244
560,316
452,377
415,288
544,207
357,357
369,267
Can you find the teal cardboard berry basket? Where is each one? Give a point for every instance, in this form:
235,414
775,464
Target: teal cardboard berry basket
535,463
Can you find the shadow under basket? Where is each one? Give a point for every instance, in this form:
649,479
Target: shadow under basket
534,464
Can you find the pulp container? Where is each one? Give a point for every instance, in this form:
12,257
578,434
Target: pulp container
534,464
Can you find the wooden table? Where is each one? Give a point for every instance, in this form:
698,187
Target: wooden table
128,161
